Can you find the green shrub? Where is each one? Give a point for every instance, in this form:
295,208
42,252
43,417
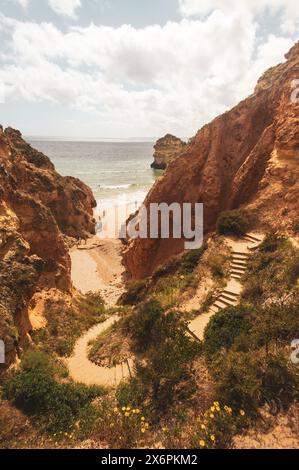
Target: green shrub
233,222
237,380
279,381
140,324
224,327
169,360
35,390
131,393
135,293
272,242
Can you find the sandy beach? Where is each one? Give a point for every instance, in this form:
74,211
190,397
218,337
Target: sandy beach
97,266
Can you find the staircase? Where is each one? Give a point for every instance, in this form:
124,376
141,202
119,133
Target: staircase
230,295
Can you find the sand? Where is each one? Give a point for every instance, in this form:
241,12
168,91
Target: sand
97,266
82,370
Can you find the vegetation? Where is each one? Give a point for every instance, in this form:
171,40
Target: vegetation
224,327
235,222
168,349
216,427
248,346
57,406
167,283
66,323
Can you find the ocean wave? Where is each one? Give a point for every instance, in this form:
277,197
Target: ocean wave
118,186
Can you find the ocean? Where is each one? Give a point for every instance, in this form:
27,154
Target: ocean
117,172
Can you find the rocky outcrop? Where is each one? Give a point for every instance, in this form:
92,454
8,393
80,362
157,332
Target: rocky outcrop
38,210
167,149
248,156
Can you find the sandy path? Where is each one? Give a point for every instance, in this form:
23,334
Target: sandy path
97,266
82,370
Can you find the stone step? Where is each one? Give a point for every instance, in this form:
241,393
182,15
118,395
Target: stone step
229,298
214,309
226,301
240,260
253,247
243,254
220,304
236,276
230,293
253,237
235,270
238,265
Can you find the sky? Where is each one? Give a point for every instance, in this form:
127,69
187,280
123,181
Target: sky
105,69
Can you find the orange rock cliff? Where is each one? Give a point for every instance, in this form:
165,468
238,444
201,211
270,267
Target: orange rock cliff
167,149
246,157
38,210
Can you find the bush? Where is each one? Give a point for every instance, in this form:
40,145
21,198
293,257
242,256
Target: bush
237,381
215,428
122,427
169,360
233,222
140,324
272,242
35,390
224,327
131,393
135,293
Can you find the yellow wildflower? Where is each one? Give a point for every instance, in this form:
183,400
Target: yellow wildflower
213,408
212,416
202,443
143,418
143,430
212,437
124,408
137,411
242,412
127,414
203,426
216,403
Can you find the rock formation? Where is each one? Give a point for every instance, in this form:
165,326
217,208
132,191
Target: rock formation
167,149
248,156
39,209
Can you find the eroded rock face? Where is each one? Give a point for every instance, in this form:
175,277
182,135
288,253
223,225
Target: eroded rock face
167,149
248,156
38,208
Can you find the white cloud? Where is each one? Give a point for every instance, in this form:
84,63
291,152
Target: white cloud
23,3
139,81
288,9
65,7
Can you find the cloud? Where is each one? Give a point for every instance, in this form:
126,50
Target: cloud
144,81
287,9
65,7
24,3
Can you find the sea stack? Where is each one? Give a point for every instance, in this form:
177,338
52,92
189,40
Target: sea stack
167,149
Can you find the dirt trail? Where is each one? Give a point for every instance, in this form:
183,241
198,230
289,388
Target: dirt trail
82,370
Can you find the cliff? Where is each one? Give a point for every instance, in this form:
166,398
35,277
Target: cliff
247,157
38,210
167,149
